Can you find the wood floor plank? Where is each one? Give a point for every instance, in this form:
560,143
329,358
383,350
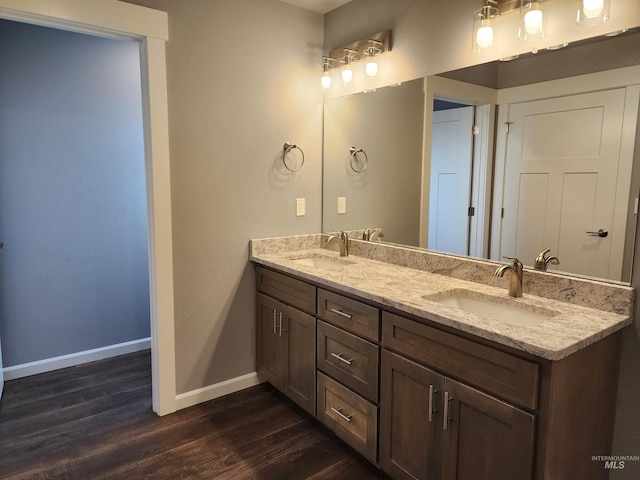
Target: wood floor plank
95,422
68,379
69,406
178,429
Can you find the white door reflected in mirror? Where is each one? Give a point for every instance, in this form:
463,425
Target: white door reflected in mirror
564,177
451,155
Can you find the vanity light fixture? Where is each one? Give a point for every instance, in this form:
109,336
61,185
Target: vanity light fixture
325,80
532,20
367,50
370,60
483,35
593,12
347,72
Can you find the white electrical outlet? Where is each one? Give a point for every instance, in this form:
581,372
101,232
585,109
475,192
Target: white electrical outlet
342,204
300,207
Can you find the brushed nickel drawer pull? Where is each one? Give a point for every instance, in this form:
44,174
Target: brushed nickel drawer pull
342,314
275,328
432,392
339,412
341,358
447,399
281,325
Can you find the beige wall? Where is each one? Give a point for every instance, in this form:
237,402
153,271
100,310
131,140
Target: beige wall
243,79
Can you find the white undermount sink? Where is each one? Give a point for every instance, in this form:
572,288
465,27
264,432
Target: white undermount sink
493,308
324,262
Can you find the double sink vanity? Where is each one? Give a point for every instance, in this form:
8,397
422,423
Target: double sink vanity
426,366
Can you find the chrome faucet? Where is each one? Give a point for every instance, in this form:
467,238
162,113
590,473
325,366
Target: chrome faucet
370,232
515,278
343,238
542,261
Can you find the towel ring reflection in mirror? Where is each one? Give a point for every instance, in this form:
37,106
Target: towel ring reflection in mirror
354,156
286,148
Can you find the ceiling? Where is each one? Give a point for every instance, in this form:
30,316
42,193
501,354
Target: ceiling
320,6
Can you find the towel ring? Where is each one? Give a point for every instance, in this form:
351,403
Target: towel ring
354,152
286,148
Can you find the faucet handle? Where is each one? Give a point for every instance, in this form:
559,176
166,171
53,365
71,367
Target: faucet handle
542,261
543,254
516,262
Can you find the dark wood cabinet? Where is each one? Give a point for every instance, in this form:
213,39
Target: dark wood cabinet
424,402
286,350
299,359
351,417
348,370
410,418
485,438
351,315
349,359
268,342
432,426
504,375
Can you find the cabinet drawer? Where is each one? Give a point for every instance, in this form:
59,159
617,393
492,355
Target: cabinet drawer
349,359
291,291
503,374
350,416
353,316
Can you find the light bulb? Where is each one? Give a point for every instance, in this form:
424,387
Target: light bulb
347,74
533,22
325,81
592,8
484,37
371,68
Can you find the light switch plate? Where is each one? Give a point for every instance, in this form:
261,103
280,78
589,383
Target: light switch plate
300,207
342,204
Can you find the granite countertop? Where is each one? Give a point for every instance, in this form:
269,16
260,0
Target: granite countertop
571,328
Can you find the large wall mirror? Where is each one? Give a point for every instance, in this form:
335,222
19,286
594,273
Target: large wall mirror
505,158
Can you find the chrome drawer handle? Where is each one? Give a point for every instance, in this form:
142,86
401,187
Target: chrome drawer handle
280,326
341,358
275,316
447,399
338,411
342,314
432,392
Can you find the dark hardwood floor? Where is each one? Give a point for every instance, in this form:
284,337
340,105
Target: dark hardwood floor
95,422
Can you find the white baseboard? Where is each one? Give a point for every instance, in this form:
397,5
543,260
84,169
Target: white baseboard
55,363
216,390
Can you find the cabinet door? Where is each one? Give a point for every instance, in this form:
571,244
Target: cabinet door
268,351
298,338
485,438
411,419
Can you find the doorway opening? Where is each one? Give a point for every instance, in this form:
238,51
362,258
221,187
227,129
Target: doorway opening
73,213
114,19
